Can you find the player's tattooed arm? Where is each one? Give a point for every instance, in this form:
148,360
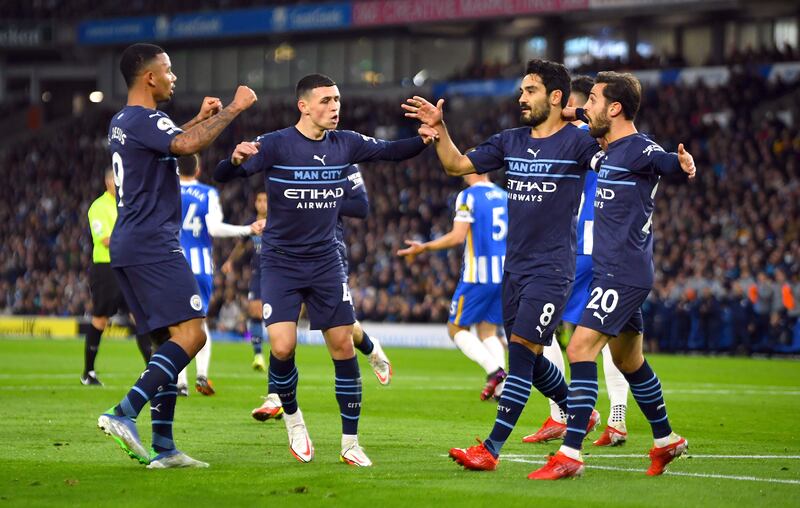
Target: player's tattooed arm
454,162
210,107
202,134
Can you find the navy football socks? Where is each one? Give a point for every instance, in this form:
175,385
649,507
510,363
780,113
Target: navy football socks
580,402
162,413
550,381
256,330
162,370
283,379
347,380
646,390
516,391
366,345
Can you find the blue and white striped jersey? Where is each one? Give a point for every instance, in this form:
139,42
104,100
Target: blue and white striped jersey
485,207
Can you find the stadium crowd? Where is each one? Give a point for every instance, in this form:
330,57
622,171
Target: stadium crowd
727,248
636,61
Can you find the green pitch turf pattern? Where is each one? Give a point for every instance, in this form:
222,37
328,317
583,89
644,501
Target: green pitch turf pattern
740,416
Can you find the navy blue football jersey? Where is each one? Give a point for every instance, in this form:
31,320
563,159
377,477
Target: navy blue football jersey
306,181
148,189
354,189
544,180
623,209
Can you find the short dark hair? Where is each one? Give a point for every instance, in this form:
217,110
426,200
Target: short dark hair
187,164
624,88
554,76
312,81
135,58
582,85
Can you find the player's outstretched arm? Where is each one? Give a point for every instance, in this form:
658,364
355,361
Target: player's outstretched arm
217,228
199,136
454,238
672,163
454,162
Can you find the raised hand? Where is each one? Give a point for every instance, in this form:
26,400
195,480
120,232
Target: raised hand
258,226
412,250
244,98
420,109
244,151
687,162
210,107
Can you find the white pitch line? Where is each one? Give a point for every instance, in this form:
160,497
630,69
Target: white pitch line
689,456
674,473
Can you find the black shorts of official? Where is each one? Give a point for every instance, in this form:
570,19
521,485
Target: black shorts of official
107,298
533,306
160,294
287,282
614,308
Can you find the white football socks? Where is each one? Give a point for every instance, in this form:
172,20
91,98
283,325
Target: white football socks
617,388
473,348
553,353
203,357
497,350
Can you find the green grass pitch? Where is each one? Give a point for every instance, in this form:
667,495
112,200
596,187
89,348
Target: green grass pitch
740,416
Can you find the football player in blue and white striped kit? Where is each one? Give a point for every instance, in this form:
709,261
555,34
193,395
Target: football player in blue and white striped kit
480,224
201,215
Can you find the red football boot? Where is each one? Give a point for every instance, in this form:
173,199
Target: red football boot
661,457
558,466
476,458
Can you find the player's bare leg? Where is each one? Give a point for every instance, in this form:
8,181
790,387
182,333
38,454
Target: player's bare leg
339,340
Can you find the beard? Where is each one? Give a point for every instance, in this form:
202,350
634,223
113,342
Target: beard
537,115
599,126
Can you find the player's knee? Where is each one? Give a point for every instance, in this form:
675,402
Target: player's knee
628,363
282,350
578,351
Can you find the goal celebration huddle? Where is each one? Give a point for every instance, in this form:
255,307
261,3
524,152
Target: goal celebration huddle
569,239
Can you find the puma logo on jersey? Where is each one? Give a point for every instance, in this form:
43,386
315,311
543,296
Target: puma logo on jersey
534,153
601,318
321,159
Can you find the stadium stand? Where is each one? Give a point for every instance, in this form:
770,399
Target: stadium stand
727,246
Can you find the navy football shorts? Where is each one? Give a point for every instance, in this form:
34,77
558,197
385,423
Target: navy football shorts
160,294
533,306
613,308
287,282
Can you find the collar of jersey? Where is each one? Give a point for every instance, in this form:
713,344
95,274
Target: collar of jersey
189,182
